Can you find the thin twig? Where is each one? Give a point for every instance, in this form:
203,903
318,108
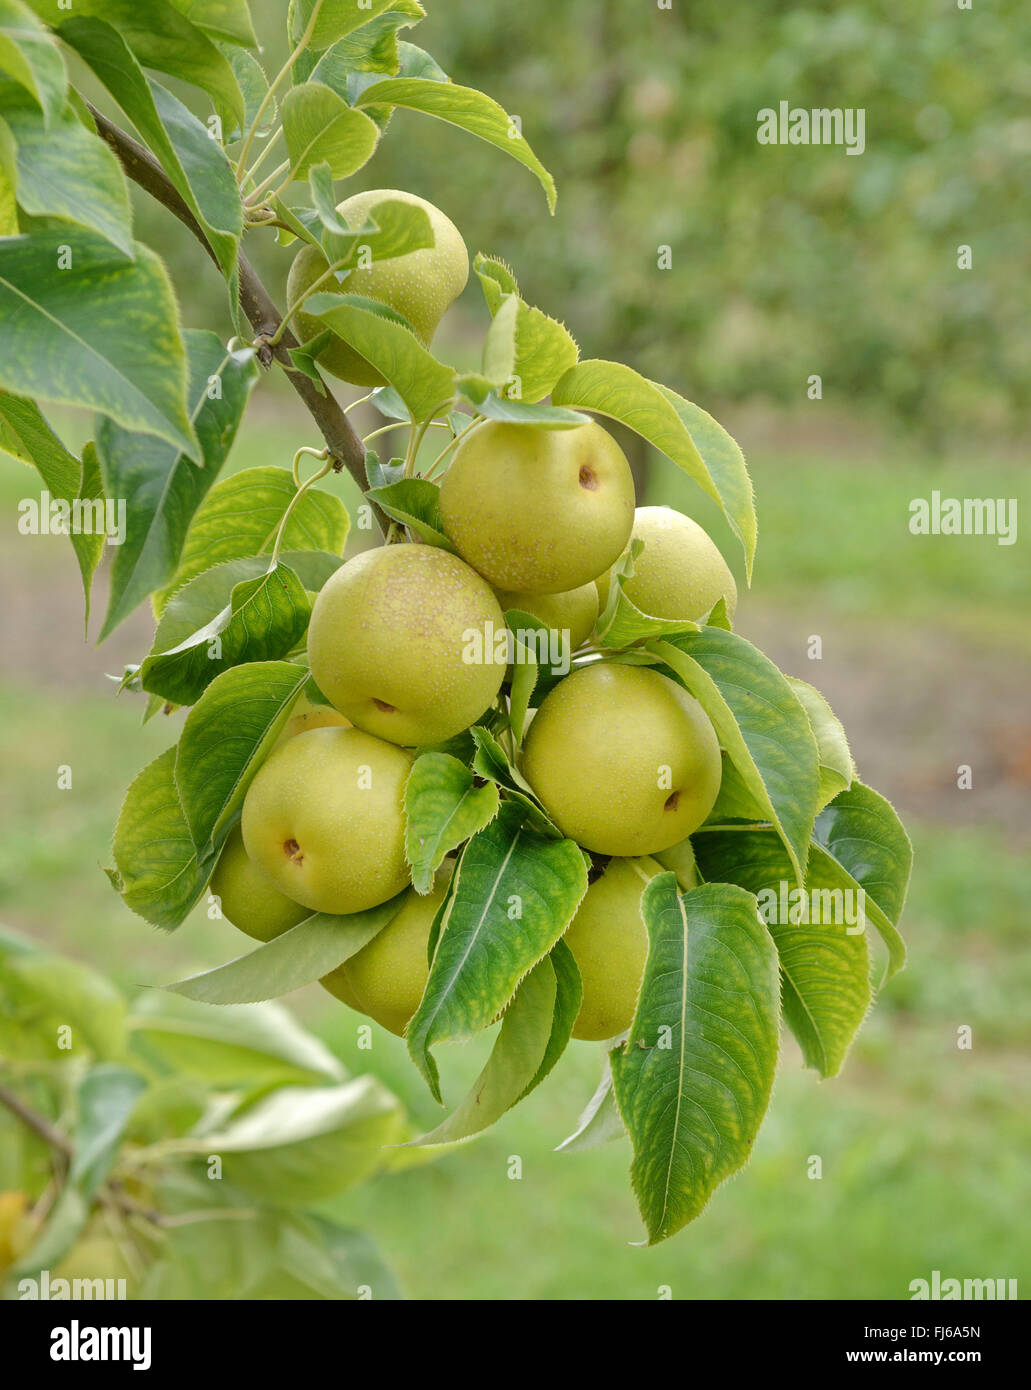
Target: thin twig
39,1124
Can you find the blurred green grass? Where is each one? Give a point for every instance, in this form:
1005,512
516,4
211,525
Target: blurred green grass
920,1141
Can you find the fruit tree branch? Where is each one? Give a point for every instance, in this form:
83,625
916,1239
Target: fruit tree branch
36,1122
344,445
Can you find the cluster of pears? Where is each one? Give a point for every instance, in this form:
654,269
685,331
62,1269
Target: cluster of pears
625,761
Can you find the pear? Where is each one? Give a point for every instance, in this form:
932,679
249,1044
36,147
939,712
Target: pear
679,573
624,760
421,285
386,978
97,1255
14,1205
305,715
324,819
389,643
574,612
681,860
535,510
248,897
609,942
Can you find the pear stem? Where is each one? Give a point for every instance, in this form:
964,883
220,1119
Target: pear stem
479,420
265,152
302,488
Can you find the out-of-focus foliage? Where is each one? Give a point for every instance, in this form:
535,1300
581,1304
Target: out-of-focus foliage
175,1146
787,260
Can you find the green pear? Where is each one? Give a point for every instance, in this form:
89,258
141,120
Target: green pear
386,978
575,611
324,819
624,760
248,897
680,859
96,1255
679,573
14,1205
390,643
538,511
609,942
305,716
421,286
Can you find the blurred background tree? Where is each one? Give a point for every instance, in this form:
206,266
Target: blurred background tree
786,261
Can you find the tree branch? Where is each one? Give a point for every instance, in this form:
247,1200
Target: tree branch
36,1122
345,448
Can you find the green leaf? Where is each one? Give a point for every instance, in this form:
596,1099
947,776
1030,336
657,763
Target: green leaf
443,808
836,766
225,739
41,994
825,964
254,86
569,995
243,1045
158,872
241,516
66,172
229,20
682,431
515,892
205,596
415,503
371,49
8,182
623,623
161,487
357,1262
424,384
486,401
64,1224
161,38
760,723
693,1080
496,278
517,1056
196,164
297,957
383,474
25,432
537,349
393,228
301,224
492,762
600,1121
466,108
106,1097
265,618
525,668
860,830
83,326
29,55
338,18
299,1146
319,127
